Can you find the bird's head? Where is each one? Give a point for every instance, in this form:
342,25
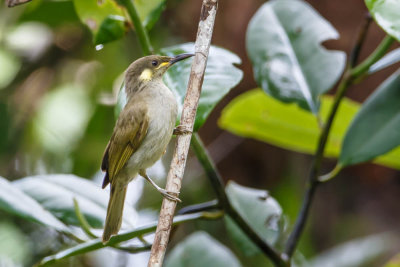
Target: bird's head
149,68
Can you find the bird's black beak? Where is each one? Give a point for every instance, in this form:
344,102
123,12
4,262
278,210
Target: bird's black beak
179,58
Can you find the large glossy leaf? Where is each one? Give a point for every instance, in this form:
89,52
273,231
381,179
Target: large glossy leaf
260,210
389,59
101,15
358,252
283,42
199,250
56,194
14,201
288,126
376,128
386,14
220,77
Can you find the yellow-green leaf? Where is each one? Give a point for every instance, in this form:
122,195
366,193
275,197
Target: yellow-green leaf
257,115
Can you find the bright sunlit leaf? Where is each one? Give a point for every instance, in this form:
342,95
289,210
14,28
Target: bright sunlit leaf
289,127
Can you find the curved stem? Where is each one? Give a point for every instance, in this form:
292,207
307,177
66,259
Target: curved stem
350,75
206,206
219,188
82,220
379,52
142,35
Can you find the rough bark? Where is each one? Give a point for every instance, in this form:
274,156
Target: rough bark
175,174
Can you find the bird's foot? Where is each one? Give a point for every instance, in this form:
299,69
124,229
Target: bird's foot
169,195
181,130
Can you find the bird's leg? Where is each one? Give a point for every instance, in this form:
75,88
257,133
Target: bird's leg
181,130
165,193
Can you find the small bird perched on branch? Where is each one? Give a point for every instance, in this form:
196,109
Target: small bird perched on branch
141,134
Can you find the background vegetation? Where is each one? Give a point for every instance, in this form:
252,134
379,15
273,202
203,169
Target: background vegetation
61,65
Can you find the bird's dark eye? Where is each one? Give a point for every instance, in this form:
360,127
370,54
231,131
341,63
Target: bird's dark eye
154,63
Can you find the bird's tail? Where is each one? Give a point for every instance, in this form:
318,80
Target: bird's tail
114,211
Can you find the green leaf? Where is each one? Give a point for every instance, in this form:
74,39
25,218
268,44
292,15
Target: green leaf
95,244
283,42
112,28
386,14
14,245
9,66
16,202
54,127
394,262
376,128
389,59
220,77
260,210
358,252
289,127
149,11
93,13
200,249
56,194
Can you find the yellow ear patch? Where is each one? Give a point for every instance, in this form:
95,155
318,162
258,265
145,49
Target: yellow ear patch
146,75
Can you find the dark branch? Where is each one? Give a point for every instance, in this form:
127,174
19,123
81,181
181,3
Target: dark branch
219,188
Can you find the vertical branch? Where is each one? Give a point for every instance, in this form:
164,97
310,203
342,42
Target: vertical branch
140,30
175,174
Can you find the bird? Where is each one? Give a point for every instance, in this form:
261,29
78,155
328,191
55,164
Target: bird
141,133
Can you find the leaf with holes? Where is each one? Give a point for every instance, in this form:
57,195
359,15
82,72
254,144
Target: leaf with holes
283,42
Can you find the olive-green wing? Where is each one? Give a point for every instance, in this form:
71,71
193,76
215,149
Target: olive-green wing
131,128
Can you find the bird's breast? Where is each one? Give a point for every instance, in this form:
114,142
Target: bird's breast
162,113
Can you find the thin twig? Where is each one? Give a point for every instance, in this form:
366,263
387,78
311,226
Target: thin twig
206,206
95,244
82,220
210,170
355,53
175,174
135,249
348,78
218,186
142,35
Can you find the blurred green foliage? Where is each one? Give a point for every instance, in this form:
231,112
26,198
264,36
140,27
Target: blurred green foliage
61,69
